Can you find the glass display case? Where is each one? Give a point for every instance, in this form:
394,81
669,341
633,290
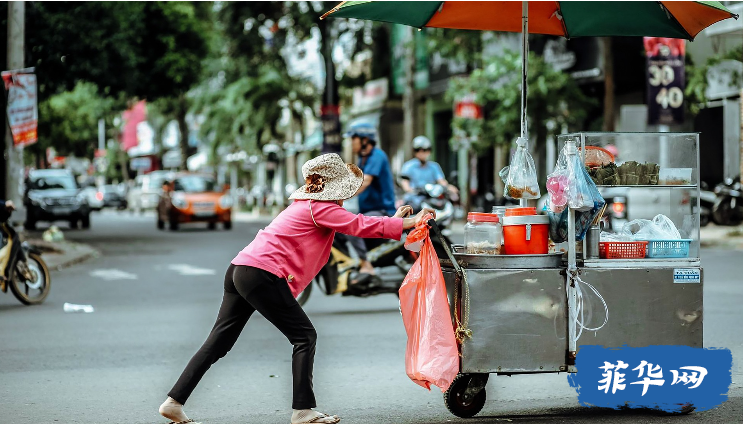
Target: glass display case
641,175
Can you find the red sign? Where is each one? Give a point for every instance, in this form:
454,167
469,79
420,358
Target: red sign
468,110
666,80
23,114
132,118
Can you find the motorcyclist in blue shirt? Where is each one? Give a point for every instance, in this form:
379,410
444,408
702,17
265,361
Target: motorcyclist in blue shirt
377,193
419,171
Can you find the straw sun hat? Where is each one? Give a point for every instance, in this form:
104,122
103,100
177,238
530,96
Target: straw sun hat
327,177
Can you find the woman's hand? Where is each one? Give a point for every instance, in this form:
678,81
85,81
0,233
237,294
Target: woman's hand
9,205
404,211
411,222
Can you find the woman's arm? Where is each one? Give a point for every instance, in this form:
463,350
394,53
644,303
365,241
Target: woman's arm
332,216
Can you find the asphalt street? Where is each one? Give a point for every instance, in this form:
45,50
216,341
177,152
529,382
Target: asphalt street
156,295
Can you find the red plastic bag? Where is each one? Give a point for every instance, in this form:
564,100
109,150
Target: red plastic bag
431,356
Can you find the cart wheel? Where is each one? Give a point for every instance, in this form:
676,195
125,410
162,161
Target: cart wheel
466,395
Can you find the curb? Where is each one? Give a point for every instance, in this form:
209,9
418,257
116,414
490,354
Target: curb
71,254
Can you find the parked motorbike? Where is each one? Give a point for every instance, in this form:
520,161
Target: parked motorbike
389,258
25,272
728,206
706,202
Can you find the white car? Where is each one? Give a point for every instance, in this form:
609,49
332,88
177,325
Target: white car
145,194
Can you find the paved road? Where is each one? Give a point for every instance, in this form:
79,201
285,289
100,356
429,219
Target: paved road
156,295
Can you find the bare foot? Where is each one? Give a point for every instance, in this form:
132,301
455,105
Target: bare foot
366,268
173,410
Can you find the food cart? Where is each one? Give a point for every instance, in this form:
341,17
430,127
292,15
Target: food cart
518,314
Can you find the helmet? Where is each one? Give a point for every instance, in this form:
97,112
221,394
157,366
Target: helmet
362,130
421,143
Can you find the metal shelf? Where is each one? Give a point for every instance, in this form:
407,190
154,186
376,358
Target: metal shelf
648,186
642,263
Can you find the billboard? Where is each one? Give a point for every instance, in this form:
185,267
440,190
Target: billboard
23,112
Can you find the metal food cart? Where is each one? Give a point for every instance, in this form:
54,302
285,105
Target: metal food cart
516,314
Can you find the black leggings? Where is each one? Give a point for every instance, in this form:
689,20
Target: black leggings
246,290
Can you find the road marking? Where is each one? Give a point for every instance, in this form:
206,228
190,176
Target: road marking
185,269
113,274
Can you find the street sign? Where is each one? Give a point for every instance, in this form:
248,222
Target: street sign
23,114
467,108
666,80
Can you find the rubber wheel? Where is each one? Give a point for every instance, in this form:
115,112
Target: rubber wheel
160,224
86,221
43,281
73,223
305,295
173,224
723,214
30,223
212,226
227,225
453,398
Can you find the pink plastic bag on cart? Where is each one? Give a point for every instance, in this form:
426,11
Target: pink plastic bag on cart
431,356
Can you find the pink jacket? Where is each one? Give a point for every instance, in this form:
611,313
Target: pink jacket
294,248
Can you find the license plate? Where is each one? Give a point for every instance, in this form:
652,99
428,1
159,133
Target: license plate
62,211
203,213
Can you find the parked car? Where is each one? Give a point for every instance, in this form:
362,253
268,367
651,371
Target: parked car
113,197
54,195
145,193
93,195
194,198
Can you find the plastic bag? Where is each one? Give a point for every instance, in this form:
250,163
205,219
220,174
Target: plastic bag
579,193
431,356
660,228
557,185
521,181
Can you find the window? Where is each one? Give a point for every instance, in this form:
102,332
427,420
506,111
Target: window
195,184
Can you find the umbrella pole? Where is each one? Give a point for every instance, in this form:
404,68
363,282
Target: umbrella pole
524,58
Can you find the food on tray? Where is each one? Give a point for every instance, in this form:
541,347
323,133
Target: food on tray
518,193
629,173
675,176
483,248
597,156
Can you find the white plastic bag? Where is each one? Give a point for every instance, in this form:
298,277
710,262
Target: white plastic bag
579,192
660,228
521,181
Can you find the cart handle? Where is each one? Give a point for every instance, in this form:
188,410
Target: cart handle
437,232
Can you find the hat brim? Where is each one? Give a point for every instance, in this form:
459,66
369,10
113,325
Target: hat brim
339,189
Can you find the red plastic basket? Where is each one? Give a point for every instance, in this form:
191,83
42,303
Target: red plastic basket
622,249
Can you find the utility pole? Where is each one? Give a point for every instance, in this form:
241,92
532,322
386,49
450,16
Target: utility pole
13,164
408,103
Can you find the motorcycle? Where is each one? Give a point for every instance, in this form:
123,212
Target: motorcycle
706,202
390,258
25,272
728,206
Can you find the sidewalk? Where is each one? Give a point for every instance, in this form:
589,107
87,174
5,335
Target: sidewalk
63,254
722,237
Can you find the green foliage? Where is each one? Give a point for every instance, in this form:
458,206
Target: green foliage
554,101
696,77
69,120
459,44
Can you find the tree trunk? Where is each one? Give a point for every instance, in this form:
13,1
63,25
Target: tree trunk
608,85
181,110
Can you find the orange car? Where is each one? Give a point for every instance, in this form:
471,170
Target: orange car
194,198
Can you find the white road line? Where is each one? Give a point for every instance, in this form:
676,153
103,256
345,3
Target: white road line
113,274
185,269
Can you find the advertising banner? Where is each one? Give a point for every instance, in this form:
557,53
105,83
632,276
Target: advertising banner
23,113
666,80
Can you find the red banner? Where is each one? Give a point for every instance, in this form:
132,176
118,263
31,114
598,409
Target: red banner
132,118
23,114
466,107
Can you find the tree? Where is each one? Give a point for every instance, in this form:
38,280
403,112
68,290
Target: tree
554,102
71,120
